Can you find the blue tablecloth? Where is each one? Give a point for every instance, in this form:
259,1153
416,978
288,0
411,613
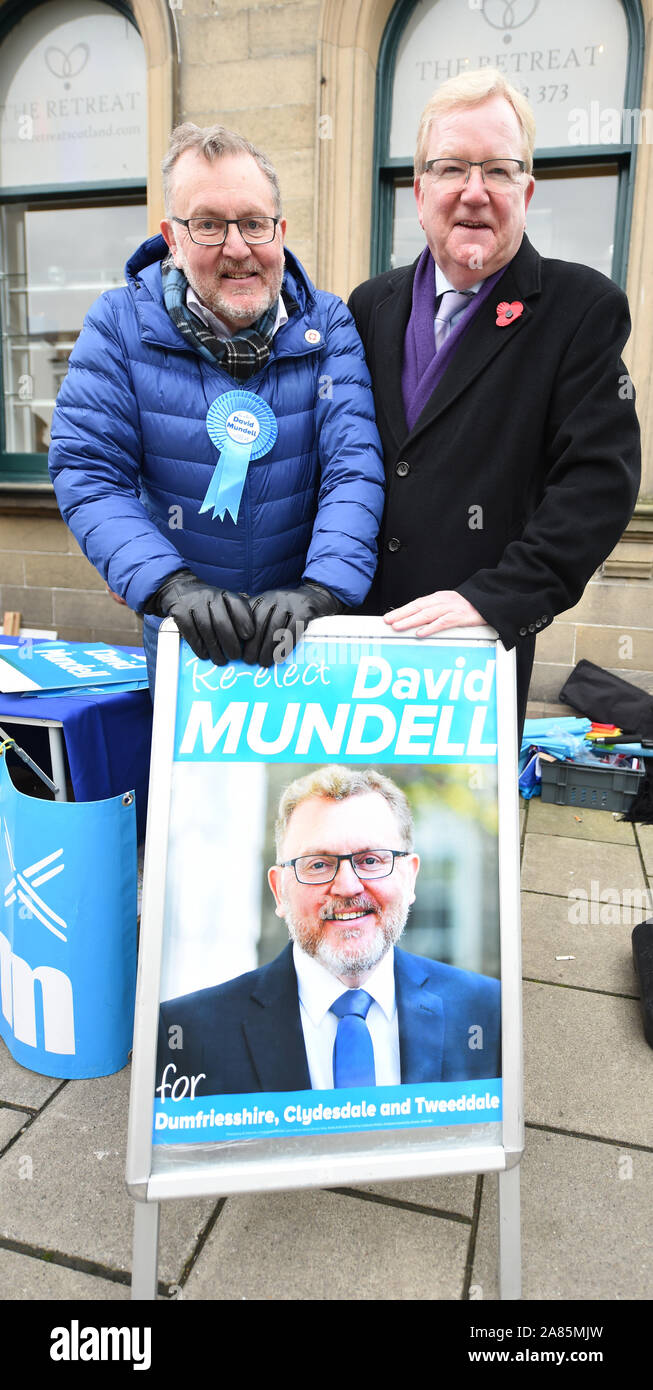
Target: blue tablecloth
107,736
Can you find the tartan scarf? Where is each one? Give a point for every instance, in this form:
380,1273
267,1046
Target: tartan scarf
242,355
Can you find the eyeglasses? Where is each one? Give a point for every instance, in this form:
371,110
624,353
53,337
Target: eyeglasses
212,231
496,174
322,868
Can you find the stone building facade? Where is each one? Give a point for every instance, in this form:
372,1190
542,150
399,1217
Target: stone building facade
301,80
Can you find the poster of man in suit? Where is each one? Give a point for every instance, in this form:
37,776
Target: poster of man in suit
342,1004
331,936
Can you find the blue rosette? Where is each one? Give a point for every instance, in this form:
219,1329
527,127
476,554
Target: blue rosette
242,427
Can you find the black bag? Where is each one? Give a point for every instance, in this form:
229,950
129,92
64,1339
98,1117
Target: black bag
607,699
642,939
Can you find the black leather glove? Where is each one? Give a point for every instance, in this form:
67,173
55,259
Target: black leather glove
214,622
280,616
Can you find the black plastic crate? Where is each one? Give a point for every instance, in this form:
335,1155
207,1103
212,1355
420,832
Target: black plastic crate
593,788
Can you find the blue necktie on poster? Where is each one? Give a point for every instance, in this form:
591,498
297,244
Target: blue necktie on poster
242,427
353,1053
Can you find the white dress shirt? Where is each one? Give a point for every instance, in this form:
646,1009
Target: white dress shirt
318,990
442,285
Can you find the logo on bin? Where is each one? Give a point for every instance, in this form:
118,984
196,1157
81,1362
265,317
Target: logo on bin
23,884
18,979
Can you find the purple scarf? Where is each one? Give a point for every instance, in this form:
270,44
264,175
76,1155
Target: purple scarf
423,368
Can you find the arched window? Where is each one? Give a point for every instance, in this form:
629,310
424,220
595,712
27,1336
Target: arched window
73,159
580,67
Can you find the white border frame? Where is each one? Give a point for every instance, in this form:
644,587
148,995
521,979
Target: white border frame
318,1160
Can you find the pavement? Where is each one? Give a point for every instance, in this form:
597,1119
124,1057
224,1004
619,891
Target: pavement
586,1177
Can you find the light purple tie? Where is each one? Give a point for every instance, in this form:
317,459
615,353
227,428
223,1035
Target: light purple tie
451,304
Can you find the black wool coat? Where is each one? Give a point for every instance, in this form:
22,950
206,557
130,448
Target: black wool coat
522,471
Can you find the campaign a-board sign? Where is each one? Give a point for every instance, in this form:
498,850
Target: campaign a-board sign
327,935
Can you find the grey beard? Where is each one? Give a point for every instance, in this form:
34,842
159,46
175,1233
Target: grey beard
211,295
339,961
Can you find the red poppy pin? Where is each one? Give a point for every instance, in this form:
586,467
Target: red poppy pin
507,313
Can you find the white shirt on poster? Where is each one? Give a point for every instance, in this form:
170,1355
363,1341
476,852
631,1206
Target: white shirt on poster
318,989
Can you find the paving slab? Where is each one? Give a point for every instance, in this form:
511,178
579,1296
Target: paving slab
573,822
587,1227
454,1194
23,1087
24,1278
321,1245
644,835
11,1121
559,864
75,1201
588,1067
599,946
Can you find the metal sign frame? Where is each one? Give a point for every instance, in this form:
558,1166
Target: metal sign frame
156,1174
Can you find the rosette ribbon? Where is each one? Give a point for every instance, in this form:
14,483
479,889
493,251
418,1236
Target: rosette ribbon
242,427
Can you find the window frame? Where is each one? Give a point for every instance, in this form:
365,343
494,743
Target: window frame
29,471
388,170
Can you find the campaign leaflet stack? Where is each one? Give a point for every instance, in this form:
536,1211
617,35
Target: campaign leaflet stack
390,705
29,666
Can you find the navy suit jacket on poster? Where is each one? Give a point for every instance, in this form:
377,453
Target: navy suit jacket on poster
246,1034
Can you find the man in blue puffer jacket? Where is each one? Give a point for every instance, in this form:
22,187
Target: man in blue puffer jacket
217,320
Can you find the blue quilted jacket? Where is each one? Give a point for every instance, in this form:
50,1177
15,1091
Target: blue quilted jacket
131,458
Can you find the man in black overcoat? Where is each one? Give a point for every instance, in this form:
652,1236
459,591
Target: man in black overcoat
506,414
